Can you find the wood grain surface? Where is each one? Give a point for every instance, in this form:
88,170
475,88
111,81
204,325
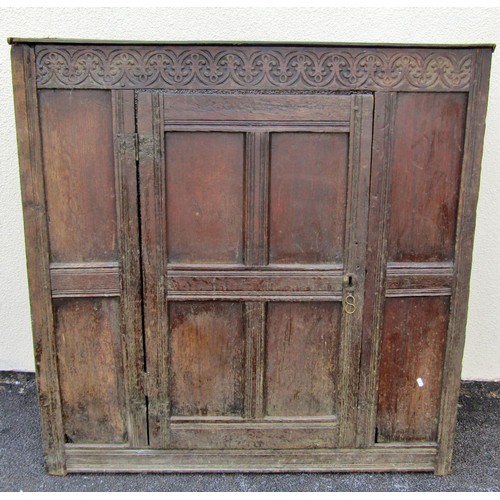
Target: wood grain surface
249,258
77,136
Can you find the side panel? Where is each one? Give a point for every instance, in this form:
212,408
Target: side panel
90,370
95,281
411,368
77,134
428,148
425,160
469,190
37,254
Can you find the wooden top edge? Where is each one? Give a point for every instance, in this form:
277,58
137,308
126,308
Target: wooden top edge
72,41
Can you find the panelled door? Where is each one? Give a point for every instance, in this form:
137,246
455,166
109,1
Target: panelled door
253,213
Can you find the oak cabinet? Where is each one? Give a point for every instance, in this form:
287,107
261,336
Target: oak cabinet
248,258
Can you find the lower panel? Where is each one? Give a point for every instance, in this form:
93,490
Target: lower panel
206,359
252,434
90,369
377,459
411,364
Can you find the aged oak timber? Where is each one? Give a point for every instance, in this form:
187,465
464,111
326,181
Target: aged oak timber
249,257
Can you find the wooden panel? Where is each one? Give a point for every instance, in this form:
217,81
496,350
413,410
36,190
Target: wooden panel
248,435
90,370
97,279
205,197
411,365
380,458
469,191
307,197
360,142
375,267
152,179
301,354
207,349
255,281
418,278
255,67
242,109
124,124
77,134
428,147
37,254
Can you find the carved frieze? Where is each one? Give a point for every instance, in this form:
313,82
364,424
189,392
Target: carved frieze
253,68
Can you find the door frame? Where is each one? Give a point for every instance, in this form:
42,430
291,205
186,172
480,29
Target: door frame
152,179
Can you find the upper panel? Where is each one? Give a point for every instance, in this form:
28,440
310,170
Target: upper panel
308,197
77,138
427,159
205,197
253,67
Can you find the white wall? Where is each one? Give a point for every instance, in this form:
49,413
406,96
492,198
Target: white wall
448,25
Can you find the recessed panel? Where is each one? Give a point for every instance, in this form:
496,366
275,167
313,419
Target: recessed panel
206,364
77,137
90,370
301,358
307,197
411,364
205,197
428,148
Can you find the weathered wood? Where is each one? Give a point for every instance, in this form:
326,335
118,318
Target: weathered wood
265,68
204,196
277,110
411,364
380,458
302,342
127,207
253,435
264,280
407,279
77,137
95,279
255,329
256,237
376,266
206,361
308,191
356,234
469,190
94,408
425,176
37,255
152,178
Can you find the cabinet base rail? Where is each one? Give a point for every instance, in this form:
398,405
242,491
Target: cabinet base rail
85,459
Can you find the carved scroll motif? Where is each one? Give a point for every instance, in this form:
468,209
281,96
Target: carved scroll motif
247,68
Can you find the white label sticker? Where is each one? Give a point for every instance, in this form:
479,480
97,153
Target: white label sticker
420,382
